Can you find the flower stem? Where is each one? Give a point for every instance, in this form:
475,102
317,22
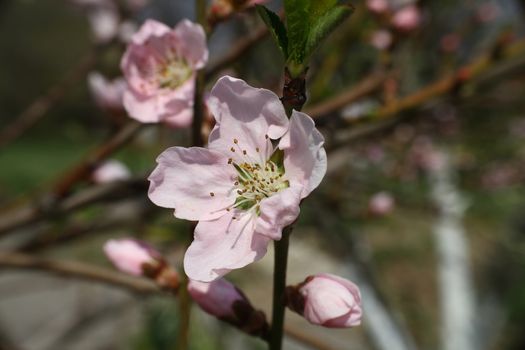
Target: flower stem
279,285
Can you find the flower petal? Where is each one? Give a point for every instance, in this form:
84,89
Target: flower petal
196,182
278,211
246,114
192,43
224,244
148,29
304,154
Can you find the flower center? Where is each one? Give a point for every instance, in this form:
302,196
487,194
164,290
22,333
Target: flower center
173,72
257,180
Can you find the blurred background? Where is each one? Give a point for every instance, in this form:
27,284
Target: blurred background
423,205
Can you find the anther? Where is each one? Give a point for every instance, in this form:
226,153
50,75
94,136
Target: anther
257,149
212,194
244,151
230,161
232,149
235,141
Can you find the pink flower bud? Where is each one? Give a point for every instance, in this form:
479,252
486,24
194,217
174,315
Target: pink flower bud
216,298
131,256
377,6
407,19
110,171
381,203
329,301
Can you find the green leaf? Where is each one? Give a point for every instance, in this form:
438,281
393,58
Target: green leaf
324,25
297,24
276,27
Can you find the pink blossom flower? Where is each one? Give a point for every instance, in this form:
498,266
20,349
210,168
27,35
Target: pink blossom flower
130,256
159,66
377,6
111,170
216,298
381,203
107,94
407,19
331,301
241,188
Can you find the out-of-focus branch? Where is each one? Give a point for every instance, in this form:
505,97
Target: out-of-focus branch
83,169
31,214
77,270
389,115
359,90
237,51
39,107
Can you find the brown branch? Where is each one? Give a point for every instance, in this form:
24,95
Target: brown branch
39,211
363,88
39,107
82,170
73,269
237,51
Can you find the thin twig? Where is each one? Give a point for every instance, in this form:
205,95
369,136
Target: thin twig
82,170
77,270
237,51
39,211
364,87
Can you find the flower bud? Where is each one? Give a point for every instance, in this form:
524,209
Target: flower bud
110,171
108,94
377,6
223,300
381,203
326,300
131,256
407,19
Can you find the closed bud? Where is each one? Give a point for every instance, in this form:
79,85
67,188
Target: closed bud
223,300
132,256
326,300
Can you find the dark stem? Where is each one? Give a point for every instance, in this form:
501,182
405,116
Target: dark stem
279,286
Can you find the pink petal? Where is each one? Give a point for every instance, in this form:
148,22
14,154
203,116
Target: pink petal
129,255
111,170
217,297
247,114
332,301
304,155
149,28
192,43
196,182
224,244
278,211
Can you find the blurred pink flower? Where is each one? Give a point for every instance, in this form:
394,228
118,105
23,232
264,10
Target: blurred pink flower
381,39
377,6
331,301
381,203
487,12
407,19
159,66
107,94
111,170
241,188
130,256
216,298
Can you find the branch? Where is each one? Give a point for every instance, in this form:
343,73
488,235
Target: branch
84,169
32,214
237,51
363,88
77,270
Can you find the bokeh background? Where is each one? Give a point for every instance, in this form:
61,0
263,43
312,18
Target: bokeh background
423,204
